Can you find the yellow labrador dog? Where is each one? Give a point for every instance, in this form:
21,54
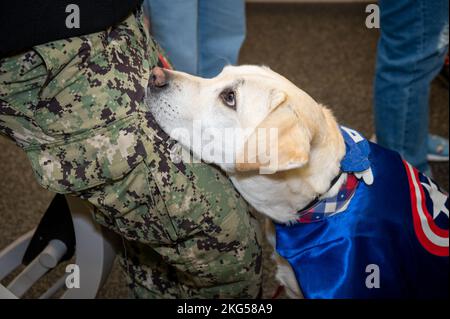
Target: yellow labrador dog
282,150
248,98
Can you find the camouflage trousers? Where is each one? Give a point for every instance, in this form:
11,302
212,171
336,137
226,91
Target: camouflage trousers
76,107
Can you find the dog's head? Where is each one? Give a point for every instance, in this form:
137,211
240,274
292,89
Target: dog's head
247,118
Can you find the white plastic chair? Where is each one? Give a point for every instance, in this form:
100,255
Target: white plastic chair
94,255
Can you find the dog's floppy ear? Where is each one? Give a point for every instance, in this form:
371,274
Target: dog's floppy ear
276,99
280,142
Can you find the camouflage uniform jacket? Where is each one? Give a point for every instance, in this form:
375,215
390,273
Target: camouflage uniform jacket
76,107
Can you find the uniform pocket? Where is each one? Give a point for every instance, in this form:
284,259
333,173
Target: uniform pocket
90,158
134,207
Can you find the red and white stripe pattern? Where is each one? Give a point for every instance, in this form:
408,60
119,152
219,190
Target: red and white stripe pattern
433,238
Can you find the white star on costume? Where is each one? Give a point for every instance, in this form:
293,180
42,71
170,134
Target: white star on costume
438,199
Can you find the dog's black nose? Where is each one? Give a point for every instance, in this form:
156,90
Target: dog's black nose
158,78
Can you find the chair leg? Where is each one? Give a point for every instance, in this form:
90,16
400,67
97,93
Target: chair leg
43,263
94,253
11,256
5,293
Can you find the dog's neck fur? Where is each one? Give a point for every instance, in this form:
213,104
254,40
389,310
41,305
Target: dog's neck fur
289,191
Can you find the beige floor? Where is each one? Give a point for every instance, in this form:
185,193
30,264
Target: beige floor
323,48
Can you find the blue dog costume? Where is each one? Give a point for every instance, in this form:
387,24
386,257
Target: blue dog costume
388,239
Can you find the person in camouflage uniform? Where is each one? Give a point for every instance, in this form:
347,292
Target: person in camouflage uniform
76,106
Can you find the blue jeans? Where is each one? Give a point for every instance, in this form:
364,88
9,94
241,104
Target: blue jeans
411,51
199,36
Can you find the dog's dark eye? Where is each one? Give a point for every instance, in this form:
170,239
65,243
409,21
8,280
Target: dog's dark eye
229,98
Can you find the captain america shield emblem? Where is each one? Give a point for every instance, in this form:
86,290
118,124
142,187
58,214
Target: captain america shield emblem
429,207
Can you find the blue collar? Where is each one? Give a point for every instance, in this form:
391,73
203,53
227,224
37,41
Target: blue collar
356,159
330,206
